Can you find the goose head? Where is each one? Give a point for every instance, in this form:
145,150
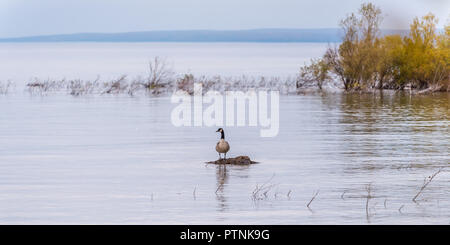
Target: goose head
222,134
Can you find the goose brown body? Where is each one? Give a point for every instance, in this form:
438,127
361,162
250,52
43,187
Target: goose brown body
222,146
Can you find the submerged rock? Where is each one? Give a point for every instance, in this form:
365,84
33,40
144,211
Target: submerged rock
240,160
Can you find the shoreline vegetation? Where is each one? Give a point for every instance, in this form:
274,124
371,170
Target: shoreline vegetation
160,80
365,61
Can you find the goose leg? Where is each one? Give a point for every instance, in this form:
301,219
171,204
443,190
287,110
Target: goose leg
225,156
220,157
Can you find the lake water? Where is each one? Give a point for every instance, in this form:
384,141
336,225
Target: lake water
24,61
119,160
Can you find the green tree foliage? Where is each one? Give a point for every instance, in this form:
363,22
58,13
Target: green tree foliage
365,61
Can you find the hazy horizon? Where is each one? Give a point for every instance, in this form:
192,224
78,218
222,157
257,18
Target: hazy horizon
328,35
192,30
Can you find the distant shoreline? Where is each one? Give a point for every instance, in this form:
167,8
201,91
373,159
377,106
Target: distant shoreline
324,35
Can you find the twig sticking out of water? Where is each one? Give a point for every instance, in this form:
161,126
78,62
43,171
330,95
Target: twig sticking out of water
400,209
426,181
342,196
256,195
368,189
193,193
263,188
312,199
289,194
385,200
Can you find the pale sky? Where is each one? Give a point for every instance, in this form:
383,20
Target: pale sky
42,17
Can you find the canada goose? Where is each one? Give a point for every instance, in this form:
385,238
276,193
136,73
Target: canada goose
222,146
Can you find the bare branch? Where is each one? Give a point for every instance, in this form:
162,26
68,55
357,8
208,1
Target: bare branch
312,199
426,181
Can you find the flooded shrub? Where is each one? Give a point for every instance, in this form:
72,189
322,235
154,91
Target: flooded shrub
159,77
116,86
134,87
186,83
44,87
242,83
79,87
121,85
5,87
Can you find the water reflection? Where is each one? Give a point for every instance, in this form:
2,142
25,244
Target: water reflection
222,181
384,125
227,178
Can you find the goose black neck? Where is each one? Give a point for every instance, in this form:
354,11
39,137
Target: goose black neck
222,135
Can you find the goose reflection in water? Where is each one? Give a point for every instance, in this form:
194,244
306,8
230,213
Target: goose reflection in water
222,181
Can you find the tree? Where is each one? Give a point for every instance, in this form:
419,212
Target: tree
314,74
424,61
354,59
386,71
365,61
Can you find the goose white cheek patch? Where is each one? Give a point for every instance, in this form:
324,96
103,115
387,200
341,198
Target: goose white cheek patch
263,109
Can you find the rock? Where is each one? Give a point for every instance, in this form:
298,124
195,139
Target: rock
240,160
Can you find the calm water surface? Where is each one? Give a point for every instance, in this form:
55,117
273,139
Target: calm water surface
118,160
23,62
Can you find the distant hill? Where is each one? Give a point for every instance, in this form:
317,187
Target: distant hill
330,35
